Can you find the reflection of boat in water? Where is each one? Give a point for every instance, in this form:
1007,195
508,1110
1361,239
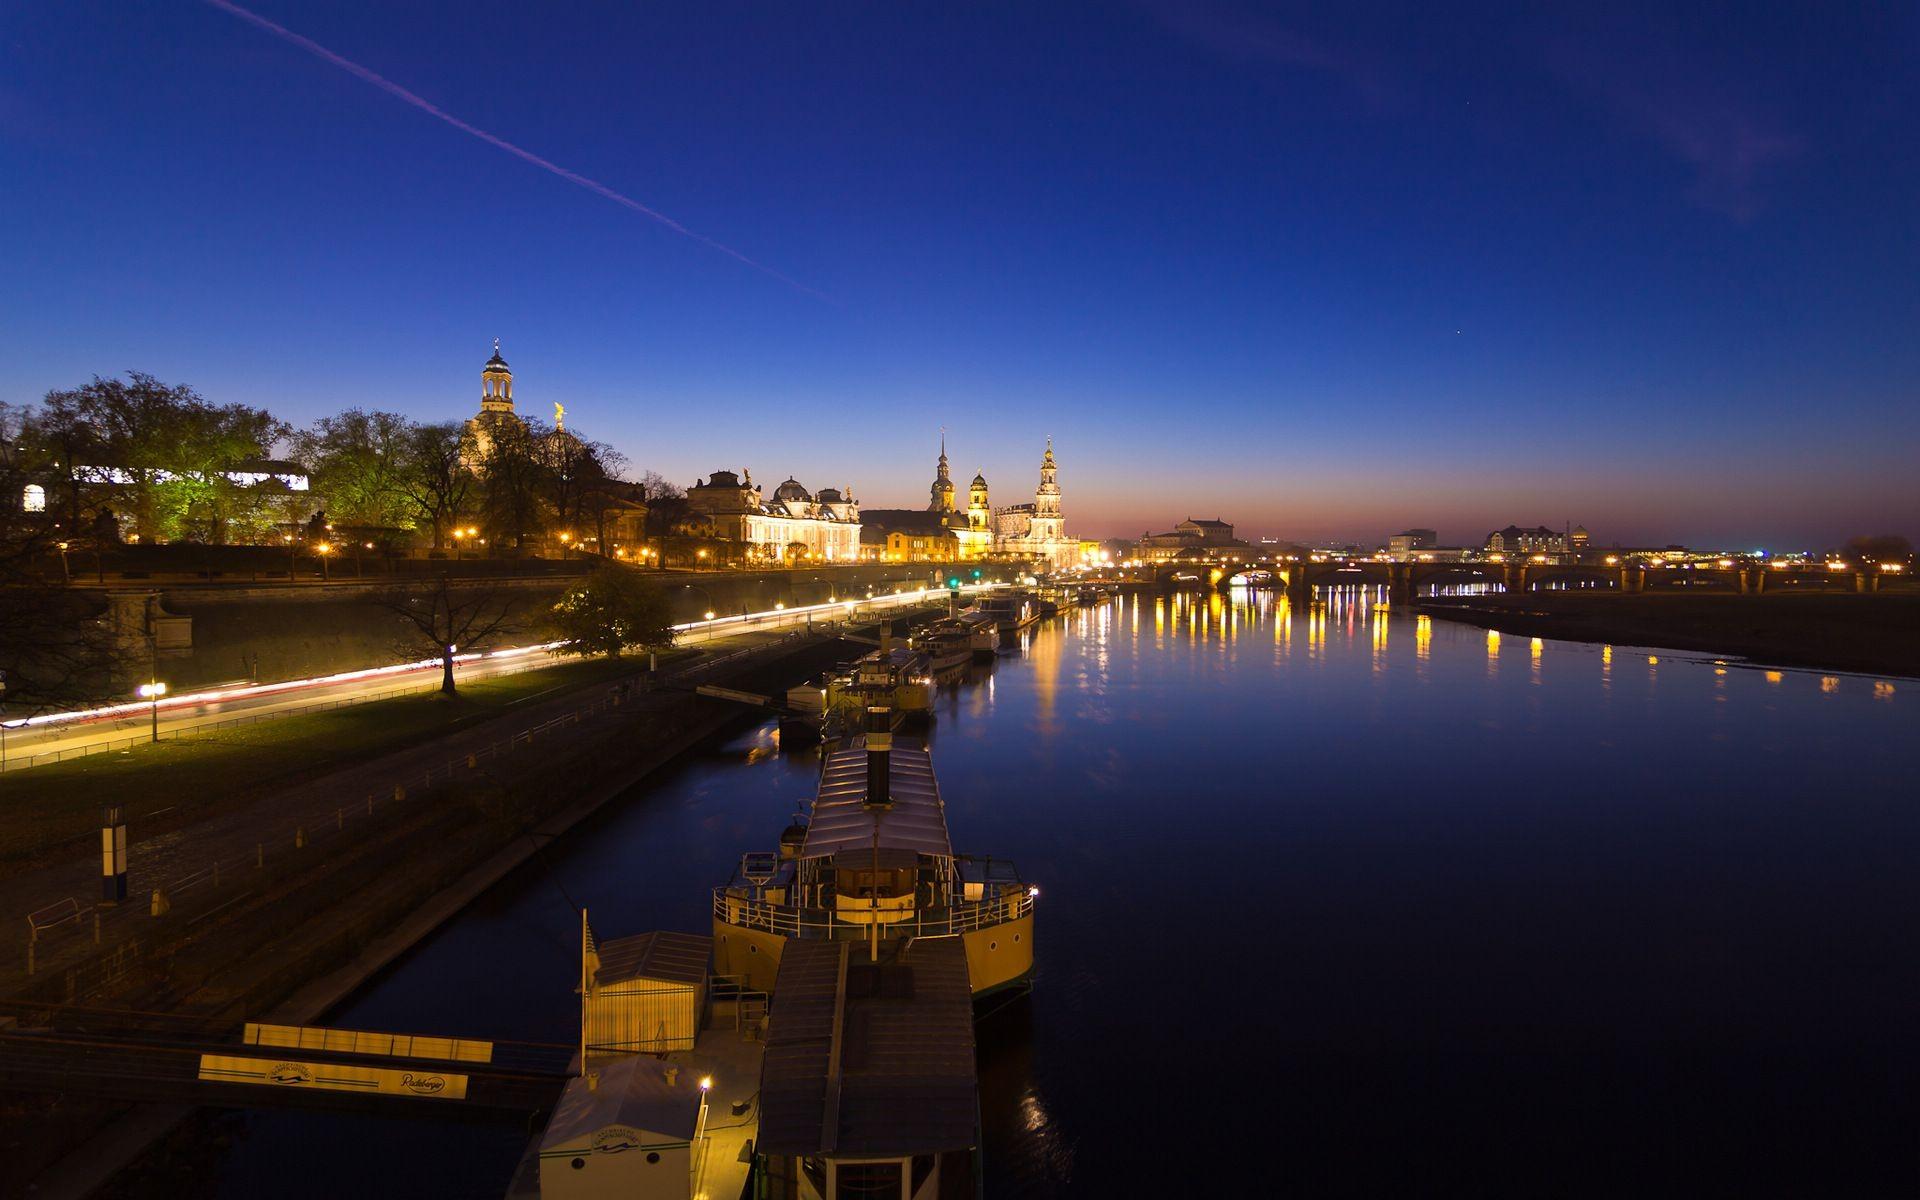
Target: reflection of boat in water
947,643
1011,612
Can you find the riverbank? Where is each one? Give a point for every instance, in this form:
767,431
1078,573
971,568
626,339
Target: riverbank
1877,634
375,900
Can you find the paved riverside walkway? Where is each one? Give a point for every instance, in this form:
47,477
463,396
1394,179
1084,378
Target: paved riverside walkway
336,800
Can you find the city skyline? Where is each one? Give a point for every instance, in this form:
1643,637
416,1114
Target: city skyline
1621,274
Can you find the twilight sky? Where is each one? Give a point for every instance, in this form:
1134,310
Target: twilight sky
1321,270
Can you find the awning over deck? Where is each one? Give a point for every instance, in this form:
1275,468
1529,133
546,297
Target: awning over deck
870,1058
917,820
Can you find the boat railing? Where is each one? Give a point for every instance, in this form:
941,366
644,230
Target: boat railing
732,907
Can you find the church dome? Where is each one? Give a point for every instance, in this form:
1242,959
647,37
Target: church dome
791,490
830,496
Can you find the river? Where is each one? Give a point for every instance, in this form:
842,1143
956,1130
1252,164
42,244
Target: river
1335,901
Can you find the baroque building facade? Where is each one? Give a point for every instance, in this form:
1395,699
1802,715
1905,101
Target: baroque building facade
939,533
1037,531
792,525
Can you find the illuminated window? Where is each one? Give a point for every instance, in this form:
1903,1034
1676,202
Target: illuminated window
34,498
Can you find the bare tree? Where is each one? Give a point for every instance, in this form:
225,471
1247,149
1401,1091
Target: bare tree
433,477
441,619
666,503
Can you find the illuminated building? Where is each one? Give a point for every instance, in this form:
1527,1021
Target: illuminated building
1038,530
793,524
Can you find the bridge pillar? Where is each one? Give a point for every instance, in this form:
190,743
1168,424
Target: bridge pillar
1400,583
1863,582
1298,589
1759,581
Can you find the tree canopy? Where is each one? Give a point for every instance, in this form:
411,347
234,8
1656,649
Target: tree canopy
611,610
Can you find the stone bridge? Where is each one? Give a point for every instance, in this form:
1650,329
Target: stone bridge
1407,580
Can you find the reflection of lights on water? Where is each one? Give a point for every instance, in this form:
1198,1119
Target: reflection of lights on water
1829,683
1773,677
1882,690
1423,636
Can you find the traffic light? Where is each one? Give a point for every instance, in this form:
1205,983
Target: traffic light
976,572
954,582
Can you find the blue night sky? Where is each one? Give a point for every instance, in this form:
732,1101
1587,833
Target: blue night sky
1322,270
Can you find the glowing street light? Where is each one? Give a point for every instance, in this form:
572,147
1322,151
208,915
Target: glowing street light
323,549
152,692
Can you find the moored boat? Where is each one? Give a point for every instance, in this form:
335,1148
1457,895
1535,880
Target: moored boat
983,637
897,678
947,643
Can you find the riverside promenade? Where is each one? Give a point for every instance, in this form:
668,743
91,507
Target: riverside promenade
55,927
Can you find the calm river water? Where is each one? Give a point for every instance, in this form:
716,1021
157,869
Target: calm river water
1334,902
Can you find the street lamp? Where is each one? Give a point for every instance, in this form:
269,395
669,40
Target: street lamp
459,535
323,549
152,692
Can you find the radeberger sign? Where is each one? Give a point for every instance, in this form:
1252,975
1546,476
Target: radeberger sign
332,1077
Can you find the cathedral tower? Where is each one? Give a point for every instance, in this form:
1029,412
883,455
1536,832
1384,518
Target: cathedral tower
942,482
1047,521
977,510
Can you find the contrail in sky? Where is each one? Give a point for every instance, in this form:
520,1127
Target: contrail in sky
393,89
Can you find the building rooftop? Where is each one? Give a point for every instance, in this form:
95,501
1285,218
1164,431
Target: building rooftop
637,1091
675,957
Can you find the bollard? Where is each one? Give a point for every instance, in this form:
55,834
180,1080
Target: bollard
339,818
300,838
369,805
113,855
399,792
96,931
473,762
160,904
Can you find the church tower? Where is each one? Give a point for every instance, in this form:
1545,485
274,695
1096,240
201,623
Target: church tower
1047,521
977,510
496,384
942,482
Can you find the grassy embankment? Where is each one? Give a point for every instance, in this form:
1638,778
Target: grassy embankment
180,780
1875,633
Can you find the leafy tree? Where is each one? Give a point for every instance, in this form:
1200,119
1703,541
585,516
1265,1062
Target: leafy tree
440,619
357,461
161,450
433,480
56,650
612,609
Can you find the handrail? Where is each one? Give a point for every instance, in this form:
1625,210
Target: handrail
965,916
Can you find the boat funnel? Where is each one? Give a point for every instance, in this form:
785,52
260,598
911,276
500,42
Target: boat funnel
879,756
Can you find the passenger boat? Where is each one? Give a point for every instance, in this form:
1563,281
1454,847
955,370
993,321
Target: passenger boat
982,636
897,678
947,643
1011,612
819,1044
